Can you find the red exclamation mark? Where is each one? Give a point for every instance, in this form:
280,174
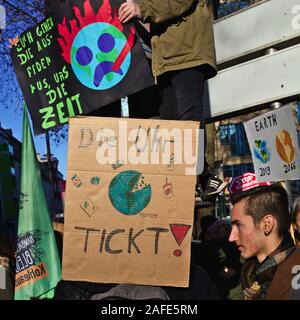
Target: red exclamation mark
179,232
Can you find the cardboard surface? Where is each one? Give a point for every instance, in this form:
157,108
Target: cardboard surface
127,222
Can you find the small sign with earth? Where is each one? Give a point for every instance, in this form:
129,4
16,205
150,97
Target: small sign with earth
273,143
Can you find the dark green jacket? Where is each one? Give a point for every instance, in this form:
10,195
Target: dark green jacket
182,34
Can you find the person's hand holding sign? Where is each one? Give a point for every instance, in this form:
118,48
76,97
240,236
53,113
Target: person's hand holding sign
128,11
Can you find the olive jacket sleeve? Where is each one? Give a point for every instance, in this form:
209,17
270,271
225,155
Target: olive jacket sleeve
158,11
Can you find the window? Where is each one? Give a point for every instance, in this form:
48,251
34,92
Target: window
298,111
10,149
225,132
248,167
4,146
229,6
13,171
237,169
235,136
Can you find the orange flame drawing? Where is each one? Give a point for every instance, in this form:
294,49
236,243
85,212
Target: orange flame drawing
104,14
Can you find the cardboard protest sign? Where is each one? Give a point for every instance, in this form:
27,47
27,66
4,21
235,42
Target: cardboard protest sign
76,60
274,146
130,200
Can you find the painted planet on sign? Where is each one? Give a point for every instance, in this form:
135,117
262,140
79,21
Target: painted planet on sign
94,51
261,151
285,146
128,192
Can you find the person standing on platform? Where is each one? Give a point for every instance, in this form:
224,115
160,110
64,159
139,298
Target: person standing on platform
183,57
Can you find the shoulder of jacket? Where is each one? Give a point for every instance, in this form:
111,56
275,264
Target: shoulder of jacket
282,281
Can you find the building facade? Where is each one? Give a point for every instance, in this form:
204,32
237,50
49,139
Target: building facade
10,181
52,185
10,173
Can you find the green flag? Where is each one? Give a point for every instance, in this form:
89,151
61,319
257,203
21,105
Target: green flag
38,267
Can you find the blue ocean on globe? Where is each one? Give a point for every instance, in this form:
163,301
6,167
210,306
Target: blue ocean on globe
261,151
94,51
128,192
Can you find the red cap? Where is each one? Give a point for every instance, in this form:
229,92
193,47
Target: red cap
245,182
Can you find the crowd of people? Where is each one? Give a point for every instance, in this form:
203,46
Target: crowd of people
251,257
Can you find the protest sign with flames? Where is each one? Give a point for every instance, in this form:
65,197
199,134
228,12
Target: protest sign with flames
76,60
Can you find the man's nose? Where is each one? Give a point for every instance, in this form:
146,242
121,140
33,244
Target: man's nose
233,235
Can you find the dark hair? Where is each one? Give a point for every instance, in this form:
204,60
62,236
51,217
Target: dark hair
267,200
296,209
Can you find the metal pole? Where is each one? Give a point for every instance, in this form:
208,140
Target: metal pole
53,202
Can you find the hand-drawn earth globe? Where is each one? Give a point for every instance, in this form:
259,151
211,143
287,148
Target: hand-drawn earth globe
128,192
94,51
261,151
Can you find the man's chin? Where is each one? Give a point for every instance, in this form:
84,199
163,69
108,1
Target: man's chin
246,255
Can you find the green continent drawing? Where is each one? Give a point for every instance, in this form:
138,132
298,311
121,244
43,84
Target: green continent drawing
128,192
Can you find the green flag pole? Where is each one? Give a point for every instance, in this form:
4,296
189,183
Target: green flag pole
38,267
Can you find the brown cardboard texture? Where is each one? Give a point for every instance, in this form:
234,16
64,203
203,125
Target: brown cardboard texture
130,220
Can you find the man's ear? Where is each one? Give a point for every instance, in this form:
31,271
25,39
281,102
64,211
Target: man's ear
268,224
